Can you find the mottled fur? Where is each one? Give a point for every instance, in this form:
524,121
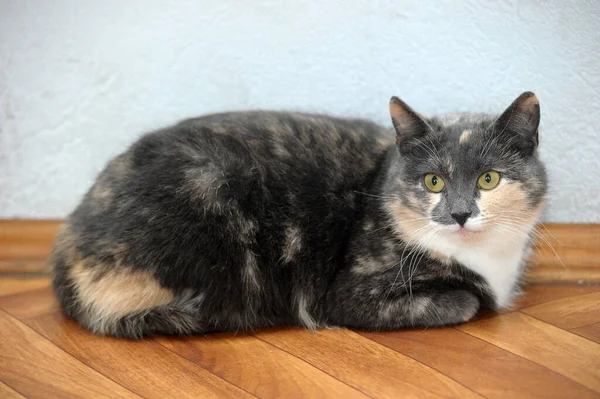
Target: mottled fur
245,220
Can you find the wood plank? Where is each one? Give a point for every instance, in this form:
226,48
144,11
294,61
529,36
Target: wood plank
359,362
590,332
12,266
20,266
144,367
566,258
568,313
259,368
571,273
545,344
7,392
540,293
36,368
577,245
570,235
11,285
27,239
480,366
30,303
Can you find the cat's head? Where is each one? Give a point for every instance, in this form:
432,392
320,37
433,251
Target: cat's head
464,175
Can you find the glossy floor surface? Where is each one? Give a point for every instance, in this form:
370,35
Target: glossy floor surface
548,347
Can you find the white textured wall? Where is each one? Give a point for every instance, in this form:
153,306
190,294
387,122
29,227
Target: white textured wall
80,80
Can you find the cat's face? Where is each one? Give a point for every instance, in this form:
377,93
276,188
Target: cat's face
467,175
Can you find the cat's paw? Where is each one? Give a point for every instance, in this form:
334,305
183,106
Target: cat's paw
453,307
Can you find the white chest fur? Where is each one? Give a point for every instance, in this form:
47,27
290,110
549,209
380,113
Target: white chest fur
496,259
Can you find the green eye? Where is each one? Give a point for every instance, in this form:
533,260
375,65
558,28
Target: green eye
434,183
488,180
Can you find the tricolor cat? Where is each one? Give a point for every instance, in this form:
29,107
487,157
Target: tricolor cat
247,220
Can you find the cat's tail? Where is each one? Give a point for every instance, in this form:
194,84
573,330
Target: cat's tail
109,299
166,320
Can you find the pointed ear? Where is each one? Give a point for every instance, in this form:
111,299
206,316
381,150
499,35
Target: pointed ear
408,123
519,123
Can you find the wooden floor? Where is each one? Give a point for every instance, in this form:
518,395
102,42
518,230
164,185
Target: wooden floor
549,347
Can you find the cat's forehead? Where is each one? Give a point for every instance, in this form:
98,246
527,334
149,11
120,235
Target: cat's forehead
461,143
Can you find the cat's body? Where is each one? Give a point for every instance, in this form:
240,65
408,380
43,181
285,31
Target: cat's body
248,220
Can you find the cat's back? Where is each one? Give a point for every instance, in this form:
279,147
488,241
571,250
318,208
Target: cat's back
226,179
215,158
282,135
281,142
225,203
242,159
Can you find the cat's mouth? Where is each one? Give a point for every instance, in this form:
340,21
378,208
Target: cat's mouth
465,232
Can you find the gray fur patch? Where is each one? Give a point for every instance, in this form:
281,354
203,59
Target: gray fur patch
292,244
204,184
366,265
303,315
251,272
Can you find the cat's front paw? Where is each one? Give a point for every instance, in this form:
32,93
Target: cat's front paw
452,308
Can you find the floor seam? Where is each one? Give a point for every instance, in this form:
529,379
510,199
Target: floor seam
204,368
529,360
69,354
424,364
313,365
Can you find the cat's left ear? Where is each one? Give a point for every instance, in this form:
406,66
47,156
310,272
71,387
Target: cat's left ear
407,123
519,123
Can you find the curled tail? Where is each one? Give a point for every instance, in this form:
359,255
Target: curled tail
115,300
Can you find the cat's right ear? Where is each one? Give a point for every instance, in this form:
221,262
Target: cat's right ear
407,123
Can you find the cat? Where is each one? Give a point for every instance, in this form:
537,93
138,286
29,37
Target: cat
248,220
